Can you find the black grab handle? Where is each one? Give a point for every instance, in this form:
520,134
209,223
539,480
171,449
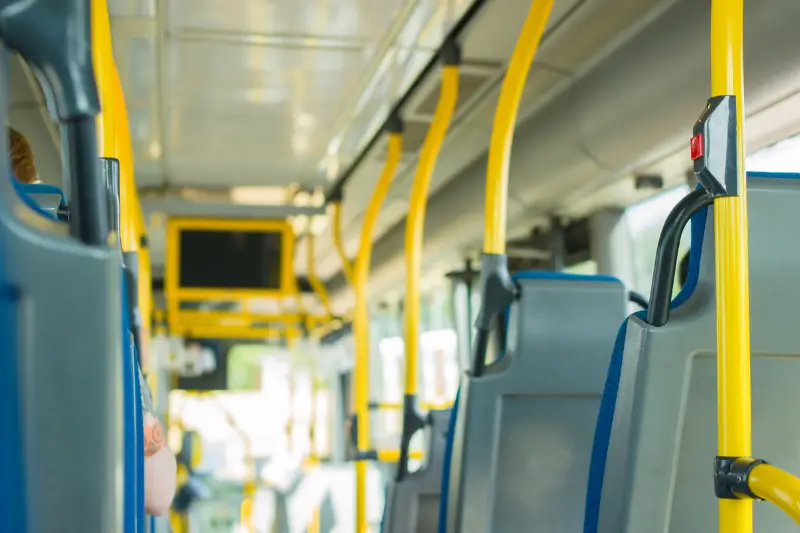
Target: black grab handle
54,37
667,254
638,299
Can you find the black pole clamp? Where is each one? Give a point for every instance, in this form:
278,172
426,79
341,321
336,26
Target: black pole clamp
714,147
369,455
497,293
732,476
413,421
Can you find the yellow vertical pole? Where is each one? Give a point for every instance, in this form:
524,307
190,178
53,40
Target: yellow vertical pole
361,322
733,286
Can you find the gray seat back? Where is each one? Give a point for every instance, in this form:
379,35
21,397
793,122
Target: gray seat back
658,475
524,429
412,504
61,342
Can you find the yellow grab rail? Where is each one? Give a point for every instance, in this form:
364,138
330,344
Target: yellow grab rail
739,478
104,72
733,299
415,220
415,227
313,280
392,456
505,119
347,267
497,288
361,321
145,280
777,487
128,203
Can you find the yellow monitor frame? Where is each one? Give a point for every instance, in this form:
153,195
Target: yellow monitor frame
176,294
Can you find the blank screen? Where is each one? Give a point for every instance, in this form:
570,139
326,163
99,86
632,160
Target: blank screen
230,259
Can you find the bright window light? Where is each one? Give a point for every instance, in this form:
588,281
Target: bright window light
258,195
783,156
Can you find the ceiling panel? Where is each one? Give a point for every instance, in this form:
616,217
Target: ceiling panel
365,20
270,108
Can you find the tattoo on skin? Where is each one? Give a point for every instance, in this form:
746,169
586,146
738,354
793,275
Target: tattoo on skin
154,438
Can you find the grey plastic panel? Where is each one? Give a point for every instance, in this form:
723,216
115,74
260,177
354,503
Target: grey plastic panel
412,505
524,429
70,371
664,436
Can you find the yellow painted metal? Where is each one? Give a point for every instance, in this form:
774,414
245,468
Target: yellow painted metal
175,294
361,322
347,267
145,287
777,487
228,332
128,197
178,522
504,121
392,456
415,220
313,280
314,526
247,325
104,72
232,318
733,287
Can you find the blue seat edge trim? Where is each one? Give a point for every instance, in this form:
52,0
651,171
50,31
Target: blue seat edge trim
608,400
448,455
13,508
565,276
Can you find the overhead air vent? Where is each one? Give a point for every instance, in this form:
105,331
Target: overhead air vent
476,78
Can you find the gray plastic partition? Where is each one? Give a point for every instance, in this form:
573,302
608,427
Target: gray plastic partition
412,504
67,336
658,474
524,429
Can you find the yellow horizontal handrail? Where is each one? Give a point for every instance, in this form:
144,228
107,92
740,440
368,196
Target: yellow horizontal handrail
392,456
777,487
238,332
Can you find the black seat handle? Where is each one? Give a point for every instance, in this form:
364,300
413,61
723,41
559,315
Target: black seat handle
54,37
667,254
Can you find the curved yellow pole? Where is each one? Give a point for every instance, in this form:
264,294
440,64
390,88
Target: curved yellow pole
347,267
313,280
777,487
733,293
505,119
105,72
415,220
361,322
